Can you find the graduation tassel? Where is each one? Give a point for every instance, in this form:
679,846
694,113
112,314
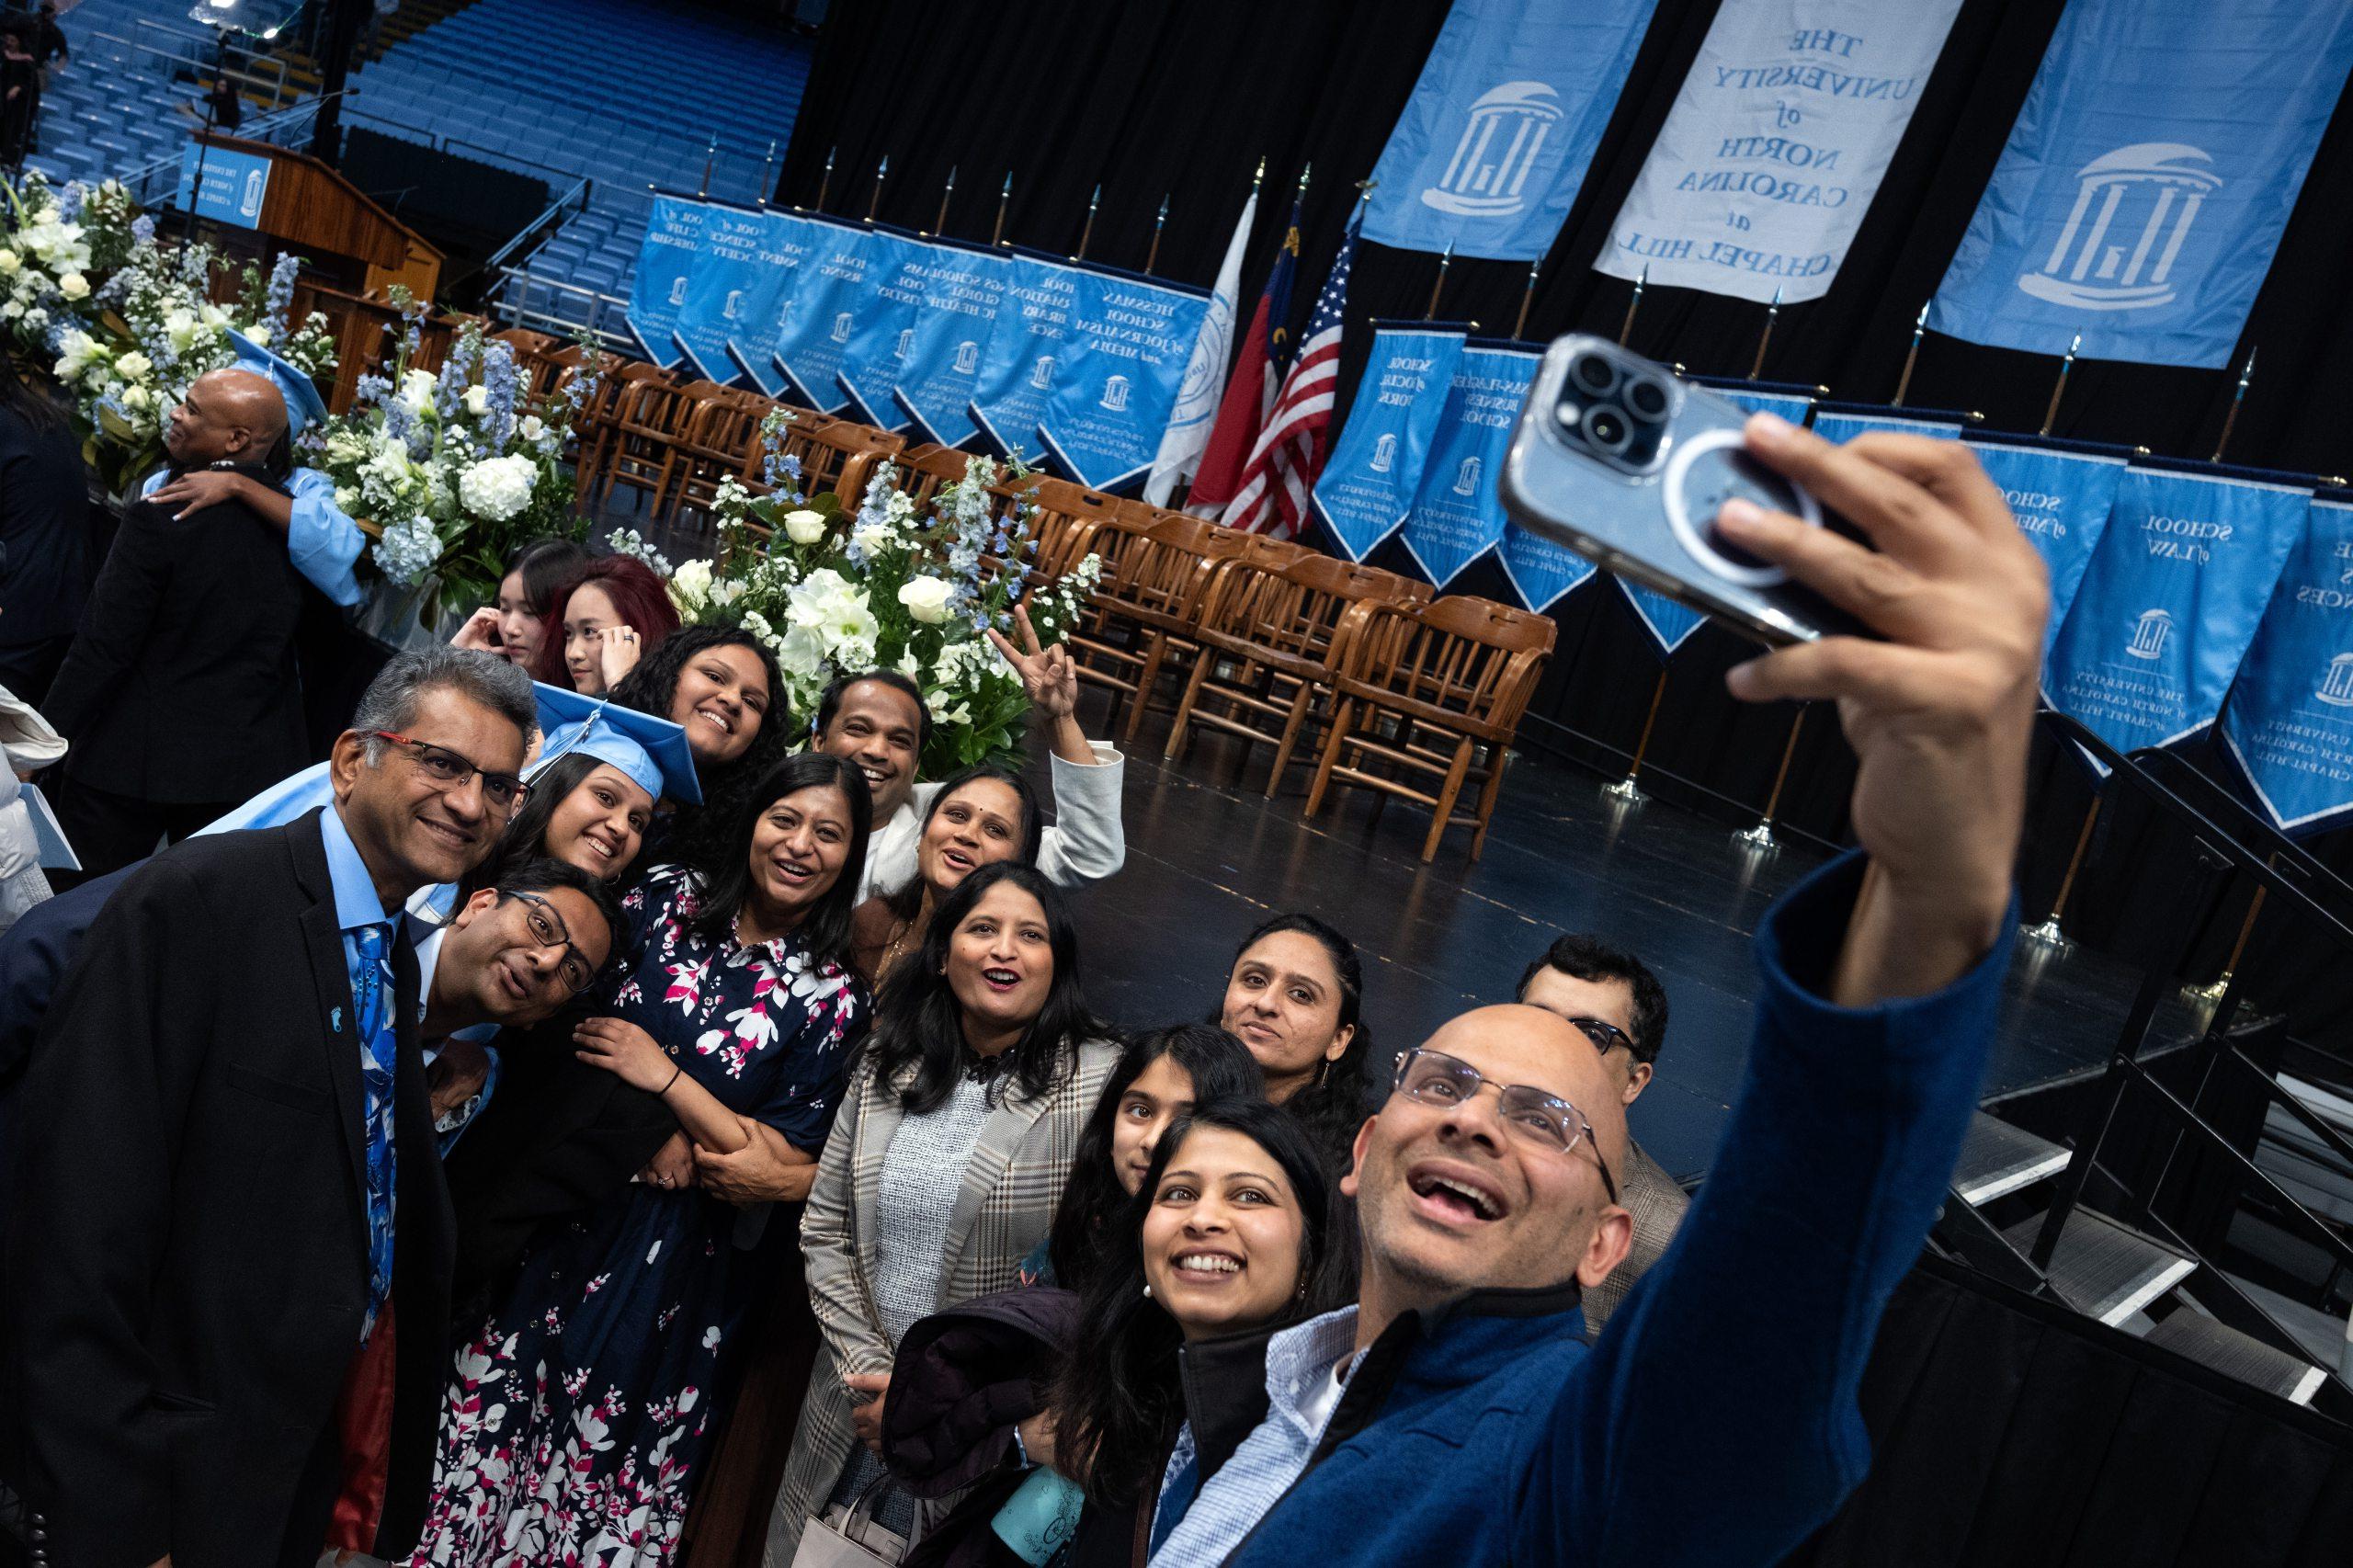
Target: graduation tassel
1772,314
1087,233
2050,414
1626,327
2230,420
1527,298
1157,224
710,156
826,184
882,172
996,235
1438,285
1911,356
767,174
939,225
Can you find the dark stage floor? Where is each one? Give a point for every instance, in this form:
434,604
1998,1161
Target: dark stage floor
1208,857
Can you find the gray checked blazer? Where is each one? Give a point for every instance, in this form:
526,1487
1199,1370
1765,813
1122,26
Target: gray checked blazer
1657,1205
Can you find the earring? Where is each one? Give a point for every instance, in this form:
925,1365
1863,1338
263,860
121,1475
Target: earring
1147,1292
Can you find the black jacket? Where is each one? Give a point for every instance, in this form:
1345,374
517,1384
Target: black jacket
44,530
188,1257
181,686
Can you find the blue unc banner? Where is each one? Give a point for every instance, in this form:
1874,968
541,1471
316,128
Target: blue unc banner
1491,149
2148,177
885,328
1793,404
2290,722
2177,586
1669,624
1539,571
820,316
1131,338
1456,516
1025,350
2061,499
725,274
785,242
1840,426
962,286
672,239
1368,481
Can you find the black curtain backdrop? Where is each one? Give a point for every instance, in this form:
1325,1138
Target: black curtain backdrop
1181,98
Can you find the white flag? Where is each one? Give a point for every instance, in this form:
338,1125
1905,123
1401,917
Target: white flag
1190,422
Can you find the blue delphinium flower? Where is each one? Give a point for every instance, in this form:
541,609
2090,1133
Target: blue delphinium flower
70,200
279,303
500,385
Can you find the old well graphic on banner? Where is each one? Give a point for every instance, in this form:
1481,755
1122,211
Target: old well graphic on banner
2289,725
2061,499
1456,516
1025,351
672,239
1776,146
821,315
2177,586
1130,339
784,244
733,281
1491,149
1368,485
962,286
885,328
2148,178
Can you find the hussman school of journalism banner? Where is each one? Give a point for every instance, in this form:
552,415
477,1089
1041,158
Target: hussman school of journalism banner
1777,144
2148,177
2289,725
1131,338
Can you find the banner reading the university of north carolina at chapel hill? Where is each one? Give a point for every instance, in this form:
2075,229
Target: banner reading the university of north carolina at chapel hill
1456,516
962,285
673,238
2177,586
885,328
821,314
1025,350
2061,500
730,276
1368,481
1777,144
2148,178
1129,341
1491,149
2289,725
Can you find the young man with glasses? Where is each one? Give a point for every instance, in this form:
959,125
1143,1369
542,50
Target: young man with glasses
231,1246
1457,1413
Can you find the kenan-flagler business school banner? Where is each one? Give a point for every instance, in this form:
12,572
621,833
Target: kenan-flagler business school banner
1777,144
1456,516
2289,725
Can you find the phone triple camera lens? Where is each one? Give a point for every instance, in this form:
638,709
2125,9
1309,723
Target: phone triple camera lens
1646,395
1592,373
1606,429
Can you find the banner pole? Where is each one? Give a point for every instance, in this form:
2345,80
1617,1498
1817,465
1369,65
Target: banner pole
826,184
1260,177
1911,356
882,172
939,225
2209,995
767,174
1087,233
1772,314
2048,933
1527,298
1626,790
2230,420
2050,414
1158,223
710,156
996,235
1761,835
1439,284
1626,327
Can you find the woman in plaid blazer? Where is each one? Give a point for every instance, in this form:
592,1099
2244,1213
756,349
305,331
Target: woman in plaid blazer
953,1145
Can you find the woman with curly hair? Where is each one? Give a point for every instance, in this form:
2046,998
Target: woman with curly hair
723,683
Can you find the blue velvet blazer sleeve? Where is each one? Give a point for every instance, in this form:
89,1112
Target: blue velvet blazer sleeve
1716,1420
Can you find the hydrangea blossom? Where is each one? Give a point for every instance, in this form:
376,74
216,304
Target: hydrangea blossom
408,550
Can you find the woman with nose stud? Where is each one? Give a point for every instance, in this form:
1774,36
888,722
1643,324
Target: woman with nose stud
982,815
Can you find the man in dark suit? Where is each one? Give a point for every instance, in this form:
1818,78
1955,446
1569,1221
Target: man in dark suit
180,694
230,1247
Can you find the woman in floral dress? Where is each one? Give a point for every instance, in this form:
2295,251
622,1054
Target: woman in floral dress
577,1413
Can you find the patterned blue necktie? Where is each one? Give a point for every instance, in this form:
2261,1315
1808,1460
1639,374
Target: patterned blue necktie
372,1007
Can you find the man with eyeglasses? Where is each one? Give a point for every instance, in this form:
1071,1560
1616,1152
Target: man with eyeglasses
1457,1413
231,1242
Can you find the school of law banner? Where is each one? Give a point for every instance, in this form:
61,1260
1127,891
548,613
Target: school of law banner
2289,725
1456,518
2061,499
1840,425
672,239
962,286
1131,338
821,315
2176,588
1368,483
1491,149
727,271
1033,326
785,241
1777,144
885,325
2148,177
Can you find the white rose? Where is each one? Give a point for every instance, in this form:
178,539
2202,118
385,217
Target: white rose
214,316
926,598
416,389
134,397
9,262
533,428
257,336
477,400
135,366
74,286
346,498
804,528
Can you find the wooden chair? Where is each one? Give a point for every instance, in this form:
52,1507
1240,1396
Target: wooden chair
599,425
1154,578
1067,519
658,422
838,455
1436,691
536,359
723,434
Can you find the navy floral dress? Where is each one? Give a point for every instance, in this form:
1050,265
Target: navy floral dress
576,1414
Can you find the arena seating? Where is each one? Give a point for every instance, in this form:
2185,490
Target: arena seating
125,101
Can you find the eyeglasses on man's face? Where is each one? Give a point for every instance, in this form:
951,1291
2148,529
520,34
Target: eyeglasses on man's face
548,930
446,770
1536,1118
1605,1036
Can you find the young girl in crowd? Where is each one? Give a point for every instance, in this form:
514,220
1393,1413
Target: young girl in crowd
514,625
722,685
609,614
984,814
955,1140
1295,997
581,1405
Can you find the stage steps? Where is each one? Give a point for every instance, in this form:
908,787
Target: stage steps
2191,1333
1997,1159
2103,1268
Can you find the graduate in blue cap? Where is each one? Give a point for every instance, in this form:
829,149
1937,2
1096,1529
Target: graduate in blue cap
322,542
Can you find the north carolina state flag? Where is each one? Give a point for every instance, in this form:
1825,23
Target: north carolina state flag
1249,399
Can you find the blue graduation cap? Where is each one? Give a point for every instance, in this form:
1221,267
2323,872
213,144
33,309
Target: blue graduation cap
303,403
652,752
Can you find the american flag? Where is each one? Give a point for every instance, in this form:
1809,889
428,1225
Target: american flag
1291,450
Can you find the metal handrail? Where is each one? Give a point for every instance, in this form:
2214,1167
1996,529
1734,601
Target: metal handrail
530,232
441,142
276,87
502,303
138,181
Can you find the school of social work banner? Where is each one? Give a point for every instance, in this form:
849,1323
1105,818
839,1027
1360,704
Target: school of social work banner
2148,178
1131,338
1456,516
885,327
672,239
1777,144
1491,149
2290,721
2061,500
2176,588
821,315
736,288
962,286
1031,336
1368,481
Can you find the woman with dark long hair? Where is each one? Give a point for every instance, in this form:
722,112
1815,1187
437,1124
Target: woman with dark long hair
1295,996
514,625
723,683
609,614
984,814
44,531
953,1145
